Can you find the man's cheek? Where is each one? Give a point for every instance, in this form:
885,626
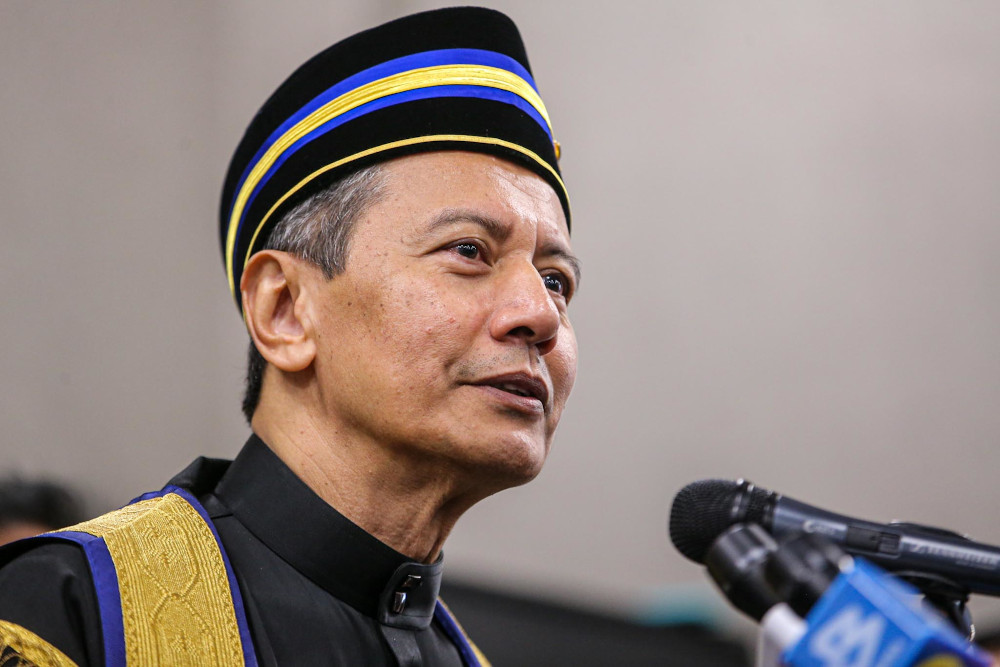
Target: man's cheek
562,364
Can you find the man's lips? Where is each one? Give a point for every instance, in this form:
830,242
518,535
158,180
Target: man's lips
523,385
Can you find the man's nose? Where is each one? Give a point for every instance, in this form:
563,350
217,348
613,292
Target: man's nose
526,310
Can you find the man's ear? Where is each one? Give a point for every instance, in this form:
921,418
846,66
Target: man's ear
271,289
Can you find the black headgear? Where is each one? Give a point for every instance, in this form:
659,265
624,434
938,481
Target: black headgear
449,79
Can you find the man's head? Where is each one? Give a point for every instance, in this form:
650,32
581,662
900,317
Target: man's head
447,333
396,230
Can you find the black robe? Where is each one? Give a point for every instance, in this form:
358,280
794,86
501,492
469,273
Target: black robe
317,589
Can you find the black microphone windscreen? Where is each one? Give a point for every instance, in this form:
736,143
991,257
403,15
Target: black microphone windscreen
703,510
699,514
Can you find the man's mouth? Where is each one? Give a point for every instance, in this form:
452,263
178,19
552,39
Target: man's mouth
519,384
512,388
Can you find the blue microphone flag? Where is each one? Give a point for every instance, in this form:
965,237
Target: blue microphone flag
867,618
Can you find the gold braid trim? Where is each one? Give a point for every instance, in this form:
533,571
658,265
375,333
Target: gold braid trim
479,654
176,603
475,649
20,647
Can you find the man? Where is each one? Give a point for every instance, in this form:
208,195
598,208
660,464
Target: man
396,233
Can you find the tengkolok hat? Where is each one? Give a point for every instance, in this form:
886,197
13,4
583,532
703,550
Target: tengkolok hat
448,79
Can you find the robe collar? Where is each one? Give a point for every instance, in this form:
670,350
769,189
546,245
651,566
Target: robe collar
281,511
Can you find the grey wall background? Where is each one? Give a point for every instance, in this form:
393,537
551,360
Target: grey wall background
788,214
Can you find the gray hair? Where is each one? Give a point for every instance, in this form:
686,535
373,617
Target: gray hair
319,231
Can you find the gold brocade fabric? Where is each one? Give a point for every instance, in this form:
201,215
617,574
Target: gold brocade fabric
20,647
177,607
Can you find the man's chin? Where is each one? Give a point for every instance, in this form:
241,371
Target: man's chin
510,462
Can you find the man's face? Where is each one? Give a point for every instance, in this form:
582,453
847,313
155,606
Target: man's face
448,336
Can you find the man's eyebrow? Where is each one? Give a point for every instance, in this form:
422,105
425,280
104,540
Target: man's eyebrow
498,230
565,255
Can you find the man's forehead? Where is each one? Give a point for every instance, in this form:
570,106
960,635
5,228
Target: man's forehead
449,188
455,179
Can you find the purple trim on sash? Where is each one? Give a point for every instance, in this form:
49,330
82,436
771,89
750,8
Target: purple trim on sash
109,602
454,632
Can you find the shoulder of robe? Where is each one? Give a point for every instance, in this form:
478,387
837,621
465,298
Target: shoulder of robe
47,602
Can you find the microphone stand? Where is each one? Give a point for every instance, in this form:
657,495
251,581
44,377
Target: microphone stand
947,596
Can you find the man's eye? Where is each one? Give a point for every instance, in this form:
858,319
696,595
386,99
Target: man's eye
467,250
556,282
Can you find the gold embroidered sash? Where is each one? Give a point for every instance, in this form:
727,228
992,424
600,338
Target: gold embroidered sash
177,607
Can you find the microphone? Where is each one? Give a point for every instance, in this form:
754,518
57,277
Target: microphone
818,607
737,562
702,510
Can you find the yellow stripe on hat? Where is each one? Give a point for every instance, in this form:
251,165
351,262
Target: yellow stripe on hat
425,77
389,146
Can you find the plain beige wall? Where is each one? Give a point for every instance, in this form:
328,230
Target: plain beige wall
788,215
